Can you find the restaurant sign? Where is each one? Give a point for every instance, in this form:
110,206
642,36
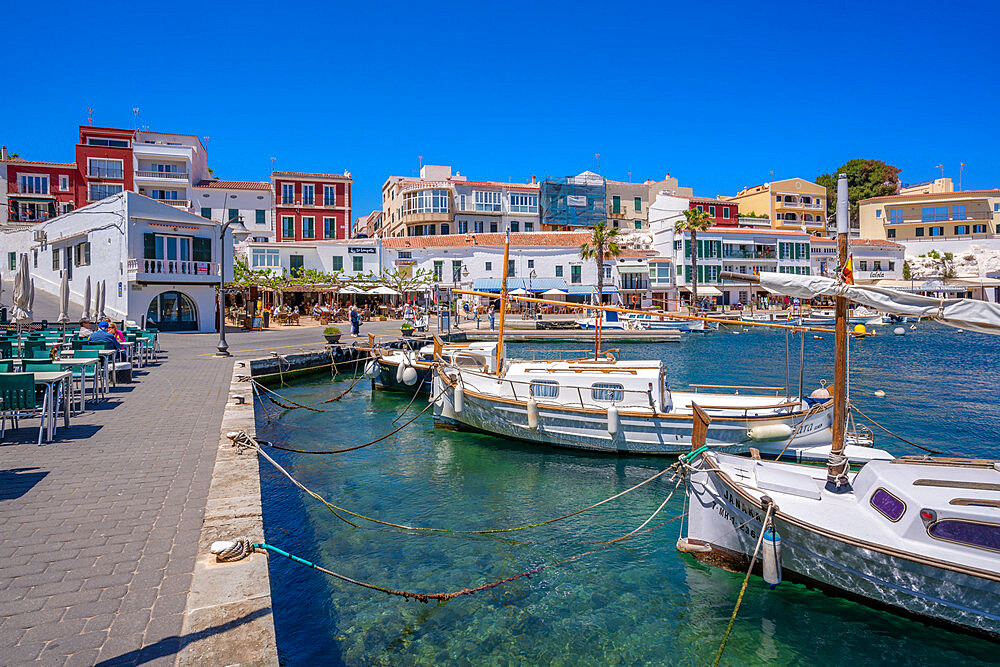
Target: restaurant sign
360,251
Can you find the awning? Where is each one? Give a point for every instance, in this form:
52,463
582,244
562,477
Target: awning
536,285
704,290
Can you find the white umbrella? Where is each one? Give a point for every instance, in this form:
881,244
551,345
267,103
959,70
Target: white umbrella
554,293
86,300
31,295
101,290
21,313
520,291
64,299
382,290
351,289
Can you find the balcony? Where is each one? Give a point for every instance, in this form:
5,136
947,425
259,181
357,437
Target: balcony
30,192
171,175
101,172
788,204
180,203
175,270
975,216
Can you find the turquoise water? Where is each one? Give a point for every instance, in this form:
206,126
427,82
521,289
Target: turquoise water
639,601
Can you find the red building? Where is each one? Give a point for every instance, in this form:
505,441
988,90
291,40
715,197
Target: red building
39,190
311,207
103,163
724,213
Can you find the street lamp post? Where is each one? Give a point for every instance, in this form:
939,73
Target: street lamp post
240,234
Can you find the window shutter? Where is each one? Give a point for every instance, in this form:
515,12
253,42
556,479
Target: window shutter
718,248
202,249
149,246
808,251
687,247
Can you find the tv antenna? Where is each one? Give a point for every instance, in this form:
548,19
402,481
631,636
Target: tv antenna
90,115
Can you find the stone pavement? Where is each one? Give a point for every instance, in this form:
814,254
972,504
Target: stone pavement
99,530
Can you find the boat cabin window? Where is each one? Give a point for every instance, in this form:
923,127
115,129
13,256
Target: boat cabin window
545,388
607,391
888,505
971,533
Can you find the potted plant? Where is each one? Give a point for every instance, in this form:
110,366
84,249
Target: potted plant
332,334
406,329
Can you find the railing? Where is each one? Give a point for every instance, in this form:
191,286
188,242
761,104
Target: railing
748,255
180,175
175,267
17,217
789,204
17,189
950,237
101,172
813,205
183,203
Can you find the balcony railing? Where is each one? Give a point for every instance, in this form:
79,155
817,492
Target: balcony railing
181,203
178,175
101,172
17,189
978,216
789,204
172,267
747,254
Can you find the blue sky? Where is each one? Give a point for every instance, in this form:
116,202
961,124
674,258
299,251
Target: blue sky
717,94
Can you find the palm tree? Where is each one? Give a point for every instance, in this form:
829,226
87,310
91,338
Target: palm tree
603,244
694,221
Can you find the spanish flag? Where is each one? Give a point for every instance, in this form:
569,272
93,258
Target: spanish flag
848,272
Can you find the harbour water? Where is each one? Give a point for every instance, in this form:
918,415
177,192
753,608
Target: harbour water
639,601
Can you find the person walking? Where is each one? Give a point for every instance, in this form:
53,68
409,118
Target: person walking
355,321
492,317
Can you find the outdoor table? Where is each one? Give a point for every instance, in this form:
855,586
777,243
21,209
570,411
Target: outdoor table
82,362
130,350
50,379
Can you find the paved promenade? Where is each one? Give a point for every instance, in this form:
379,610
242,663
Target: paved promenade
99,530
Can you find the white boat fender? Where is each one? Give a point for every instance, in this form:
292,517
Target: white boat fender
821,394
685,545
400,367
879,393
434,390
899,331
371,370
613,422
459,401
771,557
410,376
770,432
532,407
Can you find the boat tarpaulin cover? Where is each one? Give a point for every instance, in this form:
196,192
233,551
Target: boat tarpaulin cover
971,314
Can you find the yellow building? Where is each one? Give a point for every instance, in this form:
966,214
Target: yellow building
791,204
918,216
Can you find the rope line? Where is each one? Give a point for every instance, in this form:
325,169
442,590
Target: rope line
743,588
899,437
427,597
246,440
420,386
797,429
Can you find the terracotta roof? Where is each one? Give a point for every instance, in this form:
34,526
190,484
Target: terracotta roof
303,174
958,194
234,185
713,200
18,160
520,239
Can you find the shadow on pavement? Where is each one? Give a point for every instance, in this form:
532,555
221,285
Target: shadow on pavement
16,482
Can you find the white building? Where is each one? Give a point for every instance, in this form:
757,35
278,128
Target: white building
158,262
734,249
537,261
223,200
873,259
167,166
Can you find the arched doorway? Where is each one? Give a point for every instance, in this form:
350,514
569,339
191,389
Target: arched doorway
173,311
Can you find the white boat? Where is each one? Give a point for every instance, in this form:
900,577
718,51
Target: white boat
608,405
390,366
765,316
919,535
611,321
866,316
664,322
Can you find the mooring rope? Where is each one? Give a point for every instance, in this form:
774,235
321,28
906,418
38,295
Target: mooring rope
743,588
415,394
899,437
427,597
243,439
797,429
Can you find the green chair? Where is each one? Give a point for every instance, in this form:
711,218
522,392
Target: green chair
6,349
38,366
6,366
84,373
18,398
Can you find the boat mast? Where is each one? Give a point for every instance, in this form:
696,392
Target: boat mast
838,465
503,302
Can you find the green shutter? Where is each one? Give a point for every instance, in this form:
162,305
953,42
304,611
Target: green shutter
718,248
338,263
687,247
149,246
701,273
808,251
206,212
201,249
687,273
260,216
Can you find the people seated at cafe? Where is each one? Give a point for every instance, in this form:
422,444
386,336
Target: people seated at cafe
103,335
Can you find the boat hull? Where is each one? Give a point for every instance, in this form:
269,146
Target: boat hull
729,522
388,369
636,433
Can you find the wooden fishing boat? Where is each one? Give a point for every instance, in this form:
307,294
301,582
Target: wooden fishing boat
918,535
408,370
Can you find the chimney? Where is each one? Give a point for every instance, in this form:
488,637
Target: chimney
534,179
3,152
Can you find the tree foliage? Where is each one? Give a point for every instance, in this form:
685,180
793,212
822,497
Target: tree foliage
865,178
398,279
603,244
